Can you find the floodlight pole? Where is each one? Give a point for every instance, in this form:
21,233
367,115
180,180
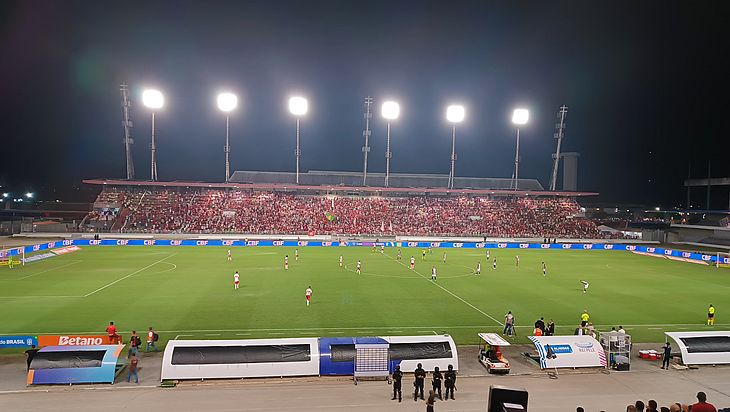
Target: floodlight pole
153,172
228,151
517,160
453,155
366,133
297,151
559,137
388,156
127,125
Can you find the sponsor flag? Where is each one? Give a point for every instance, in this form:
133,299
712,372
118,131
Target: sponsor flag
330,216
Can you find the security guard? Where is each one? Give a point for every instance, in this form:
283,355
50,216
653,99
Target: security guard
397,377
420,376
711,316
450,381
436,382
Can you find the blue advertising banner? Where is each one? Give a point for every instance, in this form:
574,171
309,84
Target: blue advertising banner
18,341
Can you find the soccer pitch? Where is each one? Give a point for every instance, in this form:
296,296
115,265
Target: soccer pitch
188,292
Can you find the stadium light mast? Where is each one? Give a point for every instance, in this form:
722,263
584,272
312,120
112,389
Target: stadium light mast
366,133
454,114
519,118
559,134
127,125
154,100
227,102
390,111
298,106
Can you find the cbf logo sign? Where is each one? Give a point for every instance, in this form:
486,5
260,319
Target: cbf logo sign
122,242
278,243
544,246
437,244
148,242
252,243
36,248
631,247
202,243
228,243
567,246
458,245
651,249
501,245
67,242
479,245
588,246
412,244
326,243
686,254
94,242
667,252
524,245
607,247
303,243
175,242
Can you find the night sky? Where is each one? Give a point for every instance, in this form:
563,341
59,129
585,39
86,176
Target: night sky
646,82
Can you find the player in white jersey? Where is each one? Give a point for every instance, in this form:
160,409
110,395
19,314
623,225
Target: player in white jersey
517,260
479,268
296,255
433,273
235,280
308,294
382,249
487,255
413,262
544,269
286,262
230,258
585,285
359,267
341,261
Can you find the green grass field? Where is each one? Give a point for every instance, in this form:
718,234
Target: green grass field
188,292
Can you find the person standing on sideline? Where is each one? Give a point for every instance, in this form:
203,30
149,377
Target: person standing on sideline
710,316
308,294
666,355
134,342
450,382
430,401
30,354
436,382
397,378
540,324
151,339
551,328
132,369
509,321
111,331
420,376
584,318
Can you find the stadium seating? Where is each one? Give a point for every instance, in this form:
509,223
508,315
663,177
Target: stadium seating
227,211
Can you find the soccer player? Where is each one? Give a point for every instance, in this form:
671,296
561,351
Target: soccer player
711,316
517,260
359,266
494,264
373,250
230,258
433,273
286,262
444,257
544,269
382,249
235,280
479,268
413,262
487,255
296,255
399,257
423,254
308,294
341,261
585,285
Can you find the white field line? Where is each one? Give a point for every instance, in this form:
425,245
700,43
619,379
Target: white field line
48,270
448,291
341,329
176,337
129,275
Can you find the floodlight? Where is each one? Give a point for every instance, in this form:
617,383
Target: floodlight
29,195
455,113
390,110
298,106
6,194
153,99
520,116
227,102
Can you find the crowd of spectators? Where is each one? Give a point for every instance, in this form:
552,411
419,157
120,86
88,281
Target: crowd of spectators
652,406
238,211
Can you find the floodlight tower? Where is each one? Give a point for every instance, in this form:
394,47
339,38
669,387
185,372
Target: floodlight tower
390,111
127,126
366,133
298,106
519,118
227,102
454,114
559,133
154,100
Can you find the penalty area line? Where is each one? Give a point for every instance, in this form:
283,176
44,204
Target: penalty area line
129,275
449,292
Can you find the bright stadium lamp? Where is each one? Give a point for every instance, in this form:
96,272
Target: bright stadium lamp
519,118
154,100
454,114
390,111
6,194
29,195
298,106
227,102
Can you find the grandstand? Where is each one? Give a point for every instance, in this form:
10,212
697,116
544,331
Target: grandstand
331,203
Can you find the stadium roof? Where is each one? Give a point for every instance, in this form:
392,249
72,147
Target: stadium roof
334,188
